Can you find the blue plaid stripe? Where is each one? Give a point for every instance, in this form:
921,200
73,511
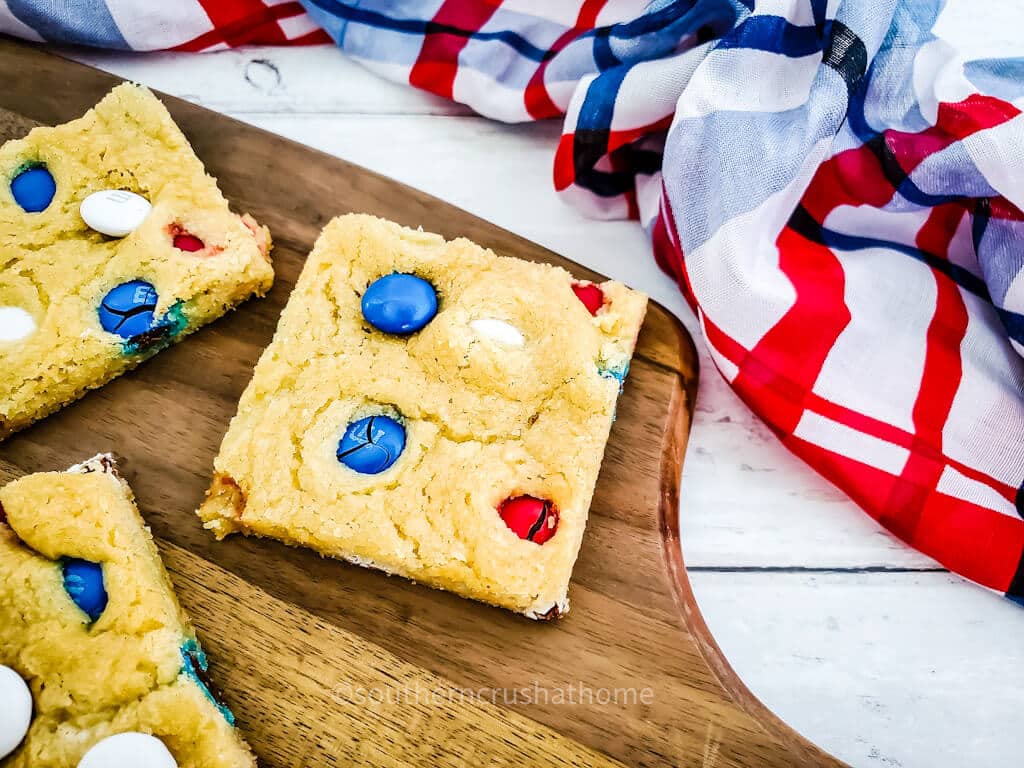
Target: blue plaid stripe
90,23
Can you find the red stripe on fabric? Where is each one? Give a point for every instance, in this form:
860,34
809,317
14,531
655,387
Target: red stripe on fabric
438,62
617,139
940,380
891,434
980,543
868,486
853,177
244,22
1007,491
911,149
975,113
668,250
939,229
983,545
1001,208
587,17
869,425
955,121
536,99
225,12
564,165
862,423
632,206
239,20
726,345
667,256
817,277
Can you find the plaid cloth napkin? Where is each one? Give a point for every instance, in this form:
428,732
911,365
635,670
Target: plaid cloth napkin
838,194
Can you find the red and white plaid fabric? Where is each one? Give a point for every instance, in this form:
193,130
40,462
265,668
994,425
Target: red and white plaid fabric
248,22
180,25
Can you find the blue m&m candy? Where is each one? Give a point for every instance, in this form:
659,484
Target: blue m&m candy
127,310
371,444
83,581
399,303
34,188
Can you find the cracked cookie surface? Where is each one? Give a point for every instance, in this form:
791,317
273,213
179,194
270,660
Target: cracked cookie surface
485,420
138,665
55,270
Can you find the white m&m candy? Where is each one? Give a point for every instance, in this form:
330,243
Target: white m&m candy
498,331
15,324
114,212
128,750
15,710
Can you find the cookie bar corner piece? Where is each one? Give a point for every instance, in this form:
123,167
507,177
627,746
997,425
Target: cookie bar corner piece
433,410
90,622
116,244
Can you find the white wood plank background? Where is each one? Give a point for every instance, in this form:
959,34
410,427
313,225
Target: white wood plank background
864,646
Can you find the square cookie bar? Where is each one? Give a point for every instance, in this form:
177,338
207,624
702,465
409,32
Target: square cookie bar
89,620
114,243
432,410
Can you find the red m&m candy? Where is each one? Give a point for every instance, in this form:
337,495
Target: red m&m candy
530,518
591,295
184,241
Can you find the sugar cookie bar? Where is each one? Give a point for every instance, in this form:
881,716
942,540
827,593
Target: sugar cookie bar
114,243
89,619
432,410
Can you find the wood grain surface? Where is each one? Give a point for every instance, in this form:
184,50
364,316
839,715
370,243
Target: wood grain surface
328,664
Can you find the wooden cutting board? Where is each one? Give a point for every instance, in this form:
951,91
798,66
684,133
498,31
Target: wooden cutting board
326,664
